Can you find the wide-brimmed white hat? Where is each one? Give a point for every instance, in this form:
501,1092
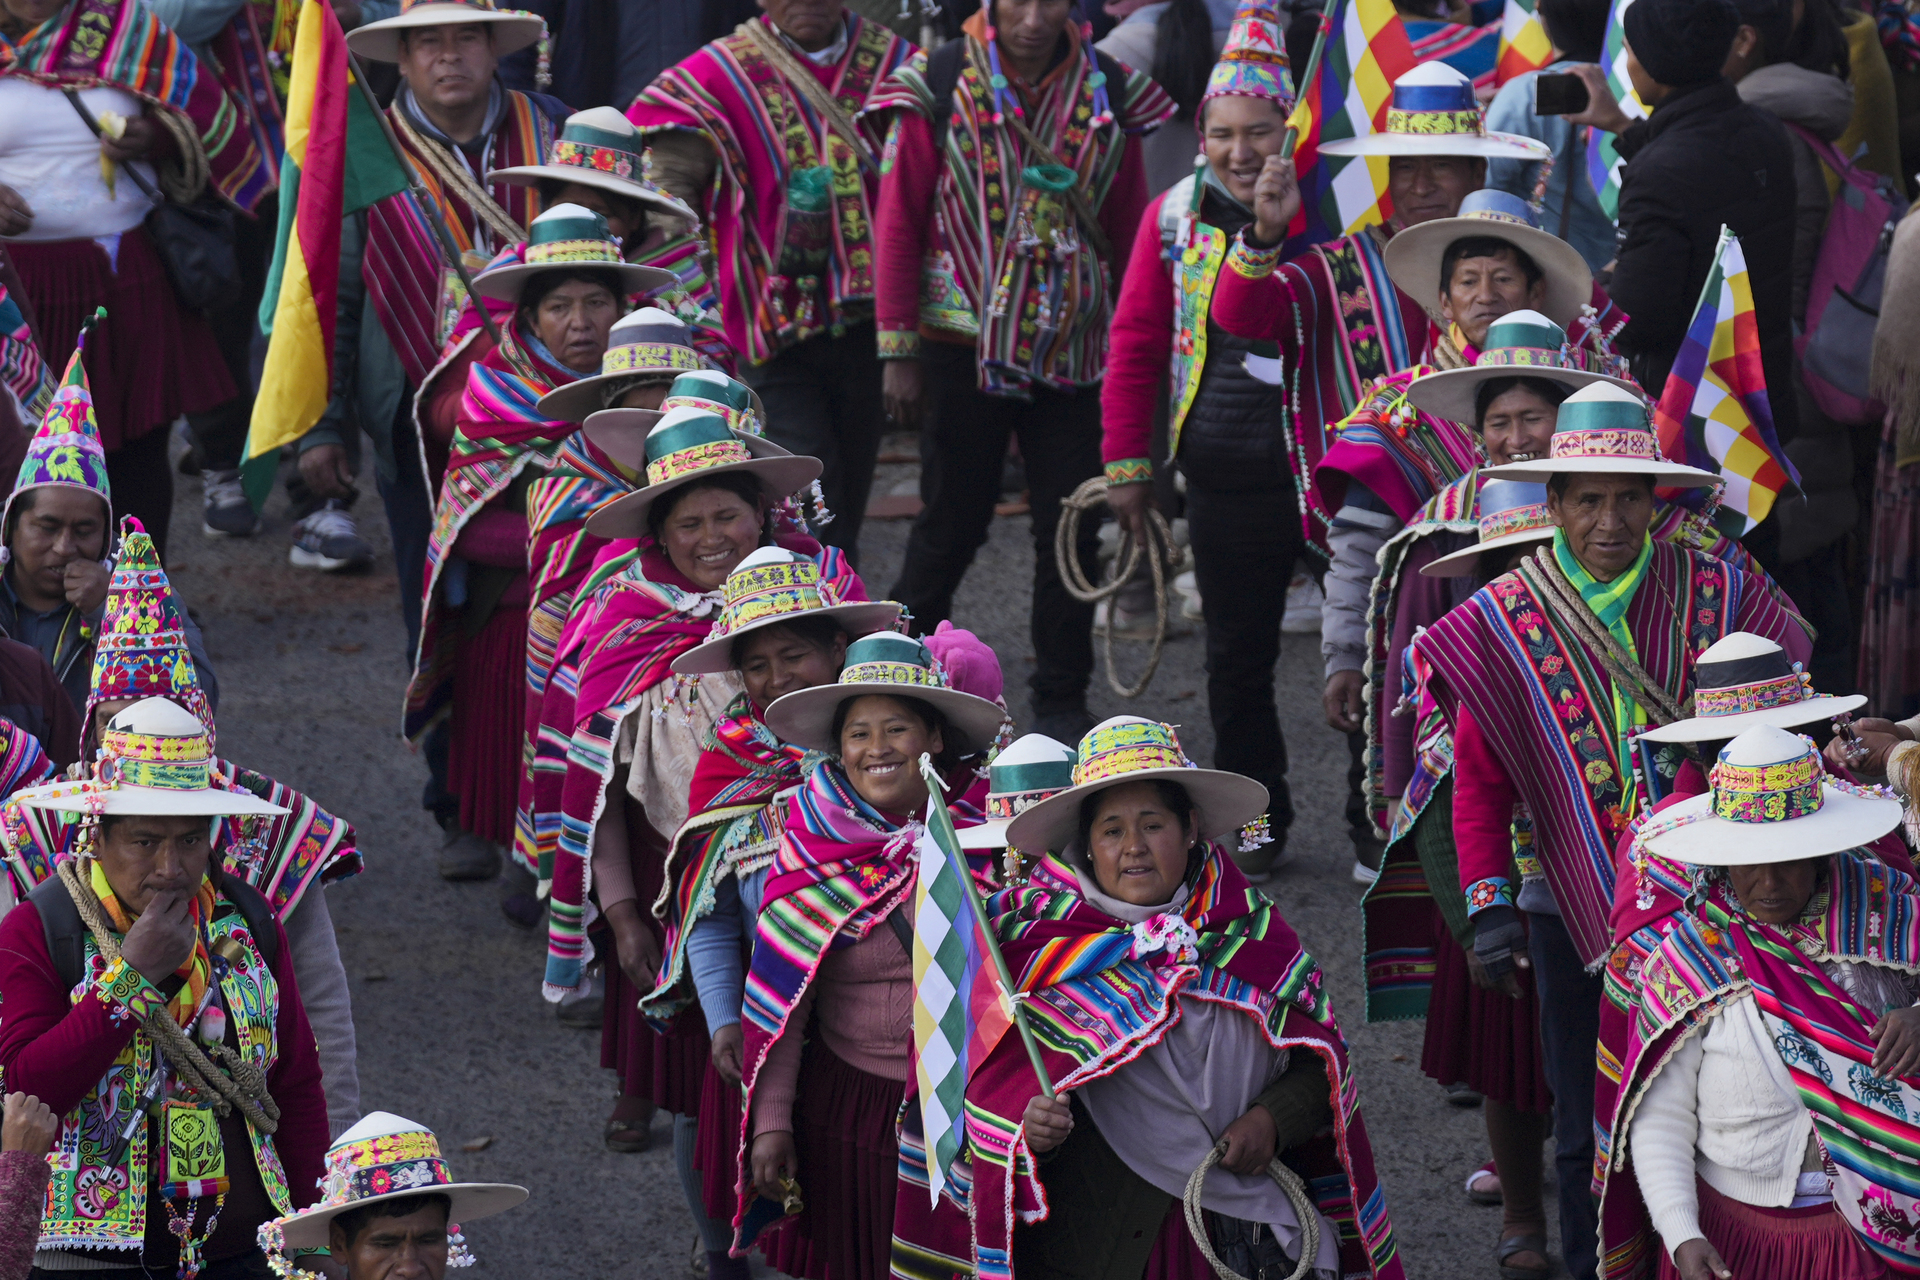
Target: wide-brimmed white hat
569,236
1770,801
1027,772
1413,256
1520,344
1512,513
156,760
380,40
686,445
893,665
773,585
1133,749
647,344
1434,113
1605,429
600,148
1743,681
385,1157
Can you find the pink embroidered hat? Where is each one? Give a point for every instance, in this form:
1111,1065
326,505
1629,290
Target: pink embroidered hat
1253,64
1743,681
1770,801
1606,429
65,450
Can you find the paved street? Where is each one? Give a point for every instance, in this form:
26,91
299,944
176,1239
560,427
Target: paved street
452,1028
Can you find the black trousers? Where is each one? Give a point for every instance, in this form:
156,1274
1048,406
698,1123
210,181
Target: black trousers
1570,1034
962,450
220,434
409,507
823,400
142,484
1245,543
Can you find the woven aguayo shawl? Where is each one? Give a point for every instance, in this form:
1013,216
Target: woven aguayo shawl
1866,1125
791,209
23,374
499,436
1546,704
120,43
998,268
733,827
405,270
1101,991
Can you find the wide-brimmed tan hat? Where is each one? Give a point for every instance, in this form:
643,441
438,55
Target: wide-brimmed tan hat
773,585
600,148
894,665
1743,681
1770,801
380,40
1520,344
1605,429
1434,113
1132,749
690,444
1413,256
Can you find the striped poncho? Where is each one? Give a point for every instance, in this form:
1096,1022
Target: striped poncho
1100,991
1866,1125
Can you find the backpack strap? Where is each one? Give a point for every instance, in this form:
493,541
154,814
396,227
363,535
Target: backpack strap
943,77
66,935
1830,155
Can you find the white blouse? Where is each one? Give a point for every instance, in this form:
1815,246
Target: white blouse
52,159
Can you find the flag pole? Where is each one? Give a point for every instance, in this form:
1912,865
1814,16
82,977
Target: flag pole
1308,76
940,827
429,207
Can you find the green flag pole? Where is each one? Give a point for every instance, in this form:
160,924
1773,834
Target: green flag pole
940,827
1313,70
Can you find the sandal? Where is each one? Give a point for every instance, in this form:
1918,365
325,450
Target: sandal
629,1135
1513,1246
1490,1194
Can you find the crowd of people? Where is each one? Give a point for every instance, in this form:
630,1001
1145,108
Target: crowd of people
624,446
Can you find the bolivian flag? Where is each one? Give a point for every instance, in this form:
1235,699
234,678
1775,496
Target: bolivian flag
337,162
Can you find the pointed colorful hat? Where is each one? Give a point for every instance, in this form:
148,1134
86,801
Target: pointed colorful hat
142,648
66,450
1254,62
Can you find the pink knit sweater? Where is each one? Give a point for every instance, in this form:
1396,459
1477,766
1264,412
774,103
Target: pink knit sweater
865,998
23,1193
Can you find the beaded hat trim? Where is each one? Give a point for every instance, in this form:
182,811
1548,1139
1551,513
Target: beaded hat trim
1114,750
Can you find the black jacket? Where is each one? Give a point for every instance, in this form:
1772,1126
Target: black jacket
1703,159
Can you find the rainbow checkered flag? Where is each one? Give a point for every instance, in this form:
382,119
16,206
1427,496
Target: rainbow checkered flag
1714,413
960,1008
1524,45
1603,158
1367,50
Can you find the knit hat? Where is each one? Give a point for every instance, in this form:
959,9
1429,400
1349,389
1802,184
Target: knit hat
1253,64
970,663
65,451
142,648
1681,42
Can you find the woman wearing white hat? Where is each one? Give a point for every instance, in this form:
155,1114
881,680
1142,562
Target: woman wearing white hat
1178,1016
1769,1081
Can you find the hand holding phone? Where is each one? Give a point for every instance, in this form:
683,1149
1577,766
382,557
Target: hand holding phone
1559,95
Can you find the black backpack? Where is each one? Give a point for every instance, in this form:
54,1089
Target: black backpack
66,934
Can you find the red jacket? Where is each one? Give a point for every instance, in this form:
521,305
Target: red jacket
1139,345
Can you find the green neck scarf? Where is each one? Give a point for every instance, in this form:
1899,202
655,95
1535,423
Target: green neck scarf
1609,601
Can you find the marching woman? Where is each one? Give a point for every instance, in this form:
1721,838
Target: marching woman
566,284
620,733
1767,1089
827,1022
781,630
1177,1015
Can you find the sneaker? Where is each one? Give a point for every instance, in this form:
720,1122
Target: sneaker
465,856
228,514
1189,590
1304,600
328,540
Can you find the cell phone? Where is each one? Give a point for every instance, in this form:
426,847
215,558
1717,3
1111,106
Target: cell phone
1559,95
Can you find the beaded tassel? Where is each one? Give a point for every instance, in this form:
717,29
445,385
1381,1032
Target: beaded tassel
998,79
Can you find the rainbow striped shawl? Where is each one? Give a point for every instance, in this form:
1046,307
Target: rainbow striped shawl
1100,992
1868,1127
120,43
500,434
1545,704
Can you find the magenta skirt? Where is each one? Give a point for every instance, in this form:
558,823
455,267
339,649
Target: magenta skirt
488,718
667,1068
1486,1040
1814,1243
844,1136
150,360
1175,1256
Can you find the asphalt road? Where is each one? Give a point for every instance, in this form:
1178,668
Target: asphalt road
452,1028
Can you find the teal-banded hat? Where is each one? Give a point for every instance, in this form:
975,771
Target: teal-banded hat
645,345
712,391
1413,256
1027,772
1520,344
1132,749
770,586
1435,113
621,433
1512,512
600,148
156,758
687,444
513,29
1606,430
897,666
569,235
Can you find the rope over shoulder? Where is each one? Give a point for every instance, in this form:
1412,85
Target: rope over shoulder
1296,1191
1092,494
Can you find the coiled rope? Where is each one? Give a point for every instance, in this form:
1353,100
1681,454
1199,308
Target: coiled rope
1159,549
1296,1192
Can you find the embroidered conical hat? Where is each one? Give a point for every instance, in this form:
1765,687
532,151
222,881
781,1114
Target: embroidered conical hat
65,451
1253,63
141,651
